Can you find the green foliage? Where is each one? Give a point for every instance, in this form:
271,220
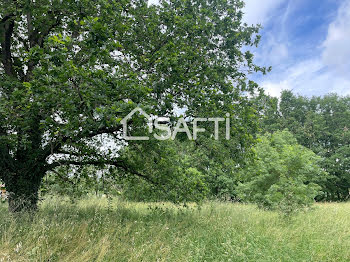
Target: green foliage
322,125
189,186
283,176
69,77
192,170
218,161
169,173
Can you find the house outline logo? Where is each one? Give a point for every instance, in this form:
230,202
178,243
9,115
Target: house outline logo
180,127
124,122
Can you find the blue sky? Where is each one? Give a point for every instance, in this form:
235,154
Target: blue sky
307,43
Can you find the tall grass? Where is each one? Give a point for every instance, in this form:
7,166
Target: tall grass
97,230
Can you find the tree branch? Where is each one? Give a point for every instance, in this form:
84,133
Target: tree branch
56,146
6,17
65,179
37,38
6,31
116,163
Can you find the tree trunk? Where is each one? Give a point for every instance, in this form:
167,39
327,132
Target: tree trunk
23,192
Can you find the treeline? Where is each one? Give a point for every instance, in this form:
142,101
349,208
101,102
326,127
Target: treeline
301,154
321,124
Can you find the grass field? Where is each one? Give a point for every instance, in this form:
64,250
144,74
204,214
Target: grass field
98,230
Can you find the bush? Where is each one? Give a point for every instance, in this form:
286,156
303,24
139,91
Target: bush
284,176
189,186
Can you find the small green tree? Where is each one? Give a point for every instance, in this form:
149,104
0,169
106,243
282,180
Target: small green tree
284,176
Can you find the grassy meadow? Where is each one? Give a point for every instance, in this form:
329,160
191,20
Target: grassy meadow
99,230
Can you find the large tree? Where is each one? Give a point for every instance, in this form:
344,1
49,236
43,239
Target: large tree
71,70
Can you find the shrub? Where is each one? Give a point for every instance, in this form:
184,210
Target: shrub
284,175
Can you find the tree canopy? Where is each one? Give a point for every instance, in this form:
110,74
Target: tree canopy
322,125
283,176
71,70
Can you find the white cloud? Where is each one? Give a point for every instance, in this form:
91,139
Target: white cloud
293,78
279,51
308,77
272,51
336,52
275,89
258,11
273,15
340,86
